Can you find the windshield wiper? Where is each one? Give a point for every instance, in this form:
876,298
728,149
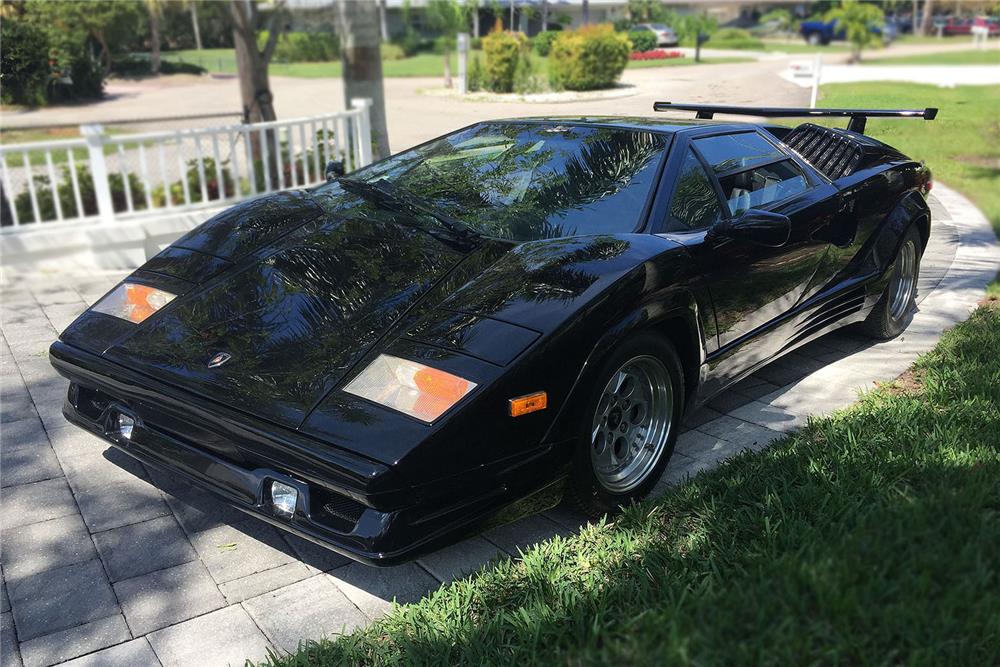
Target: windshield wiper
393,195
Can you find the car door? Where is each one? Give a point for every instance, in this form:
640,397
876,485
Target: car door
752,285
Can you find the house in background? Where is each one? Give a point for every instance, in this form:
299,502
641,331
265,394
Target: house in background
527,16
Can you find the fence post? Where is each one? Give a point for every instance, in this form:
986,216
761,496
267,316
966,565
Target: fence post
94,134
364,130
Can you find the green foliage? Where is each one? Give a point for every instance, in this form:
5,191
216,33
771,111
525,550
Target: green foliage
67,201
642,40
192,177
856,19
71,32
689,26
589,58
542,42
782,18
391,51
650,11
477,75
735,38
503,51
527,75
24,63
131,65
304,47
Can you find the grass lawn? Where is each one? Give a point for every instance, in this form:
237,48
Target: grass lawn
970,57
962,146
868,537
420,65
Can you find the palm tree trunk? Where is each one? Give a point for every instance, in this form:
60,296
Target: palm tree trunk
925,25
545,15
447,68
194,24
586,11
154,38
361,59
382,24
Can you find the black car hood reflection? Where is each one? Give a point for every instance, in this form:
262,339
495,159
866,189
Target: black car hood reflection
295,321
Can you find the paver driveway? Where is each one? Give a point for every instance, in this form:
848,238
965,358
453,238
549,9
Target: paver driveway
105,559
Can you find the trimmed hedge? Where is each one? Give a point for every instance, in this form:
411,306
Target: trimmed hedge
642,40
304,47
734,38
589,58
503,50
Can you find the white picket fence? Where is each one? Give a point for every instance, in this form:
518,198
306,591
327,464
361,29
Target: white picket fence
102,179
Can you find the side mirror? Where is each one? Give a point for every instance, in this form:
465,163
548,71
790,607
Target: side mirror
334,170
756,226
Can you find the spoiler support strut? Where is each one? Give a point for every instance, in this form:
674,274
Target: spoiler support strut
858,117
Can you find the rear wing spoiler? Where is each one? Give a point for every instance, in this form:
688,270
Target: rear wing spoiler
857,123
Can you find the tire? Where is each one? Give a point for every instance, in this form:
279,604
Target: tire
894,310
814,39
637,396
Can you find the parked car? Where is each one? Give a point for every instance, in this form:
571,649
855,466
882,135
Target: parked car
665,35
823,32
380,363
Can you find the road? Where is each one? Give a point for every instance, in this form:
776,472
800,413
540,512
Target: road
414,117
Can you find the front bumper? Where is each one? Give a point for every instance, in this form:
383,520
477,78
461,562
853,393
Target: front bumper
346,502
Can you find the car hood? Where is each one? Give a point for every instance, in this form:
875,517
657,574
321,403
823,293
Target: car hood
294,317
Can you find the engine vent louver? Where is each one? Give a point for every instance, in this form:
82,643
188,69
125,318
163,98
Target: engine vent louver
833,152
833,310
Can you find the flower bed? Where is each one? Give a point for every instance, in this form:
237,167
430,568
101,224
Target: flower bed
655,54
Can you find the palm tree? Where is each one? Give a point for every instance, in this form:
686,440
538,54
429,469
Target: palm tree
856,19
448,18
360,55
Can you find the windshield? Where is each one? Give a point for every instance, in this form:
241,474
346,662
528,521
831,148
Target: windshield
526,181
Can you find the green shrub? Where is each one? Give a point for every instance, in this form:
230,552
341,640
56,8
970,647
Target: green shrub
735,38
194,185
412,43
133,65
642,40
527,77
543,41
304,47
477,77
392,51
24,63
503,50
592,57
46,203
476,44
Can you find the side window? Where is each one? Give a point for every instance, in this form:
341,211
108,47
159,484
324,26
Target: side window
762,185
735,151
695,204
751,170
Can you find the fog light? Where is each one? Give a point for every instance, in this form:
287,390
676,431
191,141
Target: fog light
125,426
283,499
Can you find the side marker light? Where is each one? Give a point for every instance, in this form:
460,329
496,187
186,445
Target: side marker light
522,405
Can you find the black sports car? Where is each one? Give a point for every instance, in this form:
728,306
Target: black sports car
384,361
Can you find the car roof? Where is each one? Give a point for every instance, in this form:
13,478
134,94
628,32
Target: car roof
660,125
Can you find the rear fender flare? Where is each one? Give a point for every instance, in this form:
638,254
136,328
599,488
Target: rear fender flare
911,209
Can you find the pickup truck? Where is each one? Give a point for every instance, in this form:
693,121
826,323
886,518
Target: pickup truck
823,32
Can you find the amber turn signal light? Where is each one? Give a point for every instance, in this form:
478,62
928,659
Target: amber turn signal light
522,405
